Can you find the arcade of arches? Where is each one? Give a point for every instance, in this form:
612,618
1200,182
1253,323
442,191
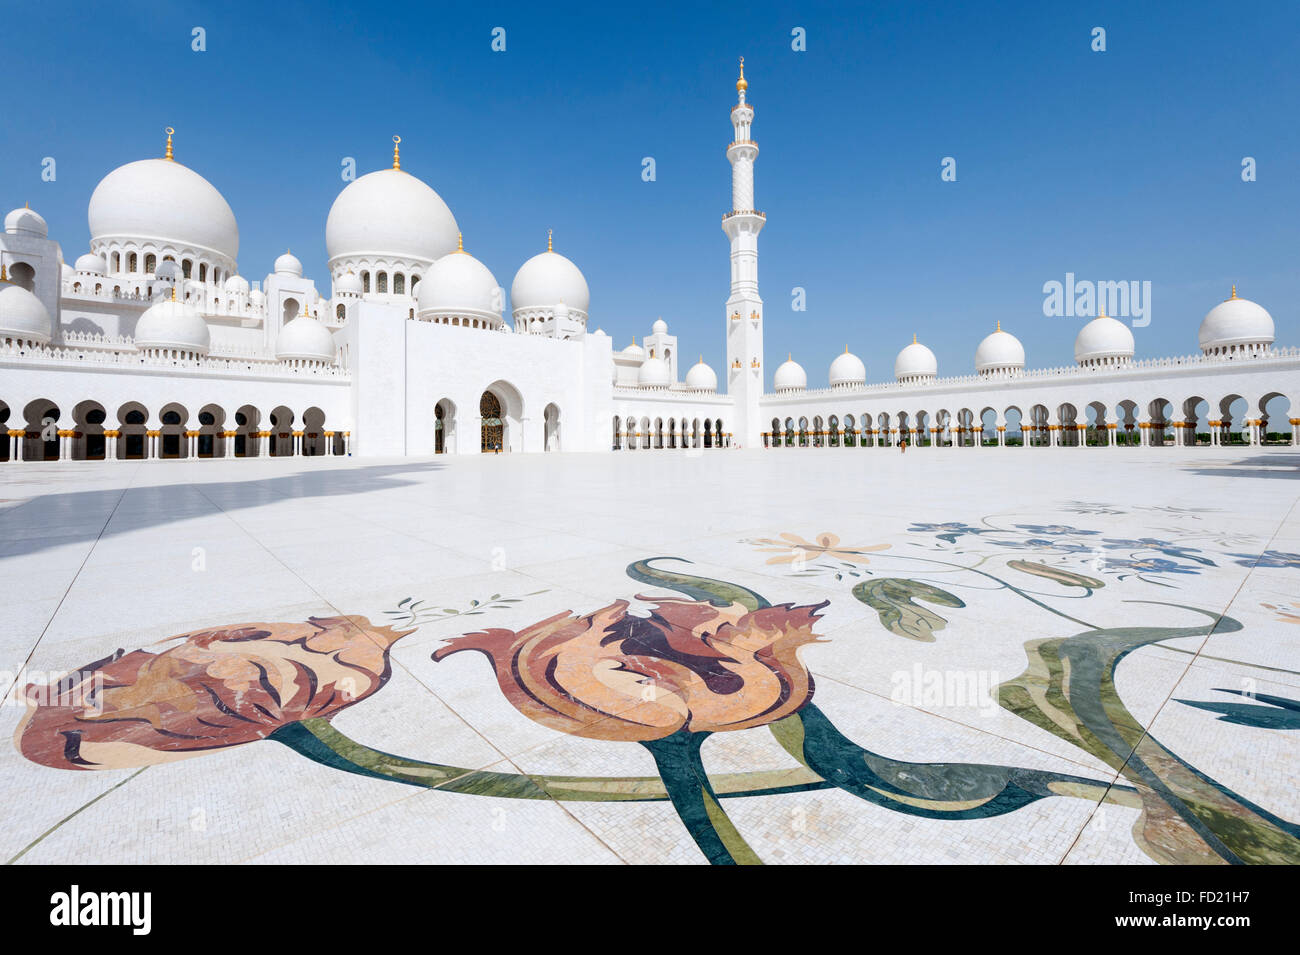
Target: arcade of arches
43,431
1190,422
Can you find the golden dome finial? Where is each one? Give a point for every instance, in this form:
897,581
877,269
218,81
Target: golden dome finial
1102,312
701,359
550,249
789,356
460,243
173,291
169,132
1234,291
4,273
397,156
741,84
913,338
999,328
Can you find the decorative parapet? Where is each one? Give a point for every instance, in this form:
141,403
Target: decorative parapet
99,357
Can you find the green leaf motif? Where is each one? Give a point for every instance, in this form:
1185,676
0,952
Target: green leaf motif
893,599
1062,576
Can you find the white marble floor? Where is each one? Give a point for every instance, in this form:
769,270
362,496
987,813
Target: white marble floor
1024,656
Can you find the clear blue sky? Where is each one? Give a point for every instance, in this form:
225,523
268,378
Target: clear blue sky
1119,165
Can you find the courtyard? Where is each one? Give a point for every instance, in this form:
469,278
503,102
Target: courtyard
1056,656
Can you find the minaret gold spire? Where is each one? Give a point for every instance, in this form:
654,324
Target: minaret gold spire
397,157
169,144
550,249
742,84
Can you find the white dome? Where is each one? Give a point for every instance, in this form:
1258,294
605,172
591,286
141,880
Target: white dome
237,285
548,278
390,213
701,378
1235,324
257,296
654,373
347,282
304,339
460,284
167,269
790,377
999,351
561,312
915,361
288,264
22,316
1103,339
26,221
847,370
162,201
634,351
90,262
170,324
660,327
66,272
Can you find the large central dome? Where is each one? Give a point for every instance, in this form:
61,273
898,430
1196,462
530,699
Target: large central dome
391,214
161,201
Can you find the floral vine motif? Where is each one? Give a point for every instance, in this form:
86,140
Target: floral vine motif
212,689
1287,614
413,613
792,549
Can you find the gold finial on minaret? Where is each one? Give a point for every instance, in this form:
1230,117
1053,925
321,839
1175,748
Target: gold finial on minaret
397,157
741,84
169,132
1234,291
550,249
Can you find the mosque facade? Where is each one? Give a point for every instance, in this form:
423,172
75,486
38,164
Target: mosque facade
152,344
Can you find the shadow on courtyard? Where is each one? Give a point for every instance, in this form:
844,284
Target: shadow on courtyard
56,519
1274,465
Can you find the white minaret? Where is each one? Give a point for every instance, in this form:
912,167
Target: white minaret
744,307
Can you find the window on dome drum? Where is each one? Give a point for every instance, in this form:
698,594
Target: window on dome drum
399,283
203,273
115,261
131,262
341,313
150,262
415,280
187,267
365,282
381,283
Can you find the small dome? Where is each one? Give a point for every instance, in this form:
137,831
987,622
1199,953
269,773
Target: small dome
660,327
461,284
172,325
92,263
654,373
346,283
22,316
561,312
288,264
237,285
1236,325
26,221
847,370
790,377
1103,340
548,278
305,339
633,350
66,272
701,377
916,363
257,296
167,269
1000,351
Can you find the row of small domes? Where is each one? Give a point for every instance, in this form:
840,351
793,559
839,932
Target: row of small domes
1236,323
